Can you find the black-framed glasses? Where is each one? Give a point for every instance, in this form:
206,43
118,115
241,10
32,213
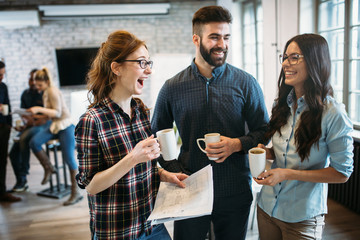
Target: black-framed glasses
142,62
293,58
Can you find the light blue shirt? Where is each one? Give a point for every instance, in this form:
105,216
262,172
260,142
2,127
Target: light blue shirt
295,201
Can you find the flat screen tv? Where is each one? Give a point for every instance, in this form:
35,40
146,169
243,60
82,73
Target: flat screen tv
73,64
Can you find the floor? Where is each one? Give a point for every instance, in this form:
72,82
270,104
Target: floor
44,218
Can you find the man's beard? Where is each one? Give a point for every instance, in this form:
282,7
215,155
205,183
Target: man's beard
213,61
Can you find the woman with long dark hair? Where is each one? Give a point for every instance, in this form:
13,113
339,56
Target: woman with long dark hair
116,150
312,144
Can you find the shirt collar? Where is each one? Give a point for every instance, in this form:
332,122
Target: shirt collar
107,102
291,97
216,72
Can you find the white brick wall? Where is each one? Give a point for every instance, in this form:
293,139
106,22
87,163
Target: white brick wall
34,47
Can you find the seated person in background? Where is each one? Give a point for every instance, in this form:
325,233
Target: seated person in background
20,151
60,127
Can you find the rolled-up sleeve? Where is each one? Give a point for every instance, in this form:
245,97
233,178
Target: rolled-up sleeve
88,150
339,140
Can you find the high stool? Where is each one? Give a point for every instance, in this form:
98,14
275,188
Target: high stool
58,189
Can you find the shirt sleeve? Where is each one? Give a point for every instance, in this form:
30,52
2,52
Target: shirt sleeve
256,116
23,100
163,119
7,101
88,150
339,140
55,100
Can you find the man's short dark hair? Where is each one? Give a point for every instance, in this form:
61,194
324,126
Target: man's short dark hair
2,64
209,14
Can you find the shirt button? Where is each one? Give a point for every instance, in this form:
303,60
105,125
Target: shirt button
287,140
284,154
298,112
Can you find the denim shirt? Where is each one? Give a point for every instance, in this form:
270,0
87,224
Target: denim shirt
295,201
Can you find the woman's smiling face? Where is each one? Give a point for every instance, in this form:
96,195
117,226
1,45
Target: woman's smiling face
295,74
131,75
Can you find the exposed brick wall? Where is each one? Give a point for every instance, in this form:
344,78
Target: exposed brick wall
34,47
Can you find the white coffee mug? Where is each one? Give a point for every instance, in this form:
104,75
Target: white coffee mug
19,123
5,110
167,141
257,161
209,138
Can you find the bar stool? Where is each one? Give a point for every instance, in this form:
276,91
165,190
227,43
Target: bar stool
60,187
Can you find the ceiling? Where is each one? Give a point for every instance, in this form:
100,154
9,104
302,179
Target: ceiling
33,4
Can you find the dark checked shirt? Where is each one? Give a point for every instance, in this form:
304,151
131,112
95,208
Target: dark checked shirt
31,98
105,135
224,104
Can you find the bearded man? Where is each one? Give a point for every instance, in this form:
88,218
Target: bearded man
212,96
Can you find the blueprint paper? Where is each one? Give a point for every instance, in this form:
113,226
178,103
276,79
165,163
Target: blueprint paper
175,203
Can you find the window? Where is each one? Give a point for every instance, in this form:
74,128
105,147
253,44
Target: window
252,28
339,22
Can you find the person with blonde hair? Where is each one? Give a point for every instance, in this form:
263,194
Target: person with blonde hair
116,150
61,127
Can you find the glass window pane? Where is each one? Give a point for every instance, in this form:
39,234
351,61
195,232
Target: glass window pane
338,96
260,76
355,76
337,76
355,12
249,37
248,14
354,111
252,30
355,43
259,12
260,53
335,40
331,15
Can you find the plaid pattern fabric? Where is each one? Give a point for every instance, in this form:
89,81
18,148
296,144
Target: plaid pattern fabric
105,135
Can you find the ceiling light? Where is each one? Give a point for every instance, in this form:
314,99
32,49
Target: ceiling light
104,9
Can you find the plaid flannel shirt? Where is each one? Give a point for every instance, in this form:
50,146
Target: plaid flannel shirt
105,135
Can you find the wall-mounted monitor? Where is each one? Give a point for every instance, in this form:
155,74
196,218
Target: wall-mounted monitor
73,64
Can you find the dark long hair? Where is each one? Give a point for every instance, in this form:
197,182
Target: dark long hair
316,87
100,78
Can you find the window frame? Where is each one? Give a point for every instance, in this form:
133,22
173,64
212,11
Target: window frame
258,64
347,58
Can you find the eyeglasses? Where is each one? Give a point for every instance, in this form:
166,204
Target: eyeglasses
143,63
293,58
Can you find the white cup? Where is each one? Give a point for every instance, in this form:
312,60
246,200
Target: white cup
209,138
5,110
257,161
167,141
19,123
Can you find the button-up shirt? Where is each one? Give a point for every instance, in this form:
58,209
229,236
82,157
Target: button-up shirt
295,201
105,134
223,104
